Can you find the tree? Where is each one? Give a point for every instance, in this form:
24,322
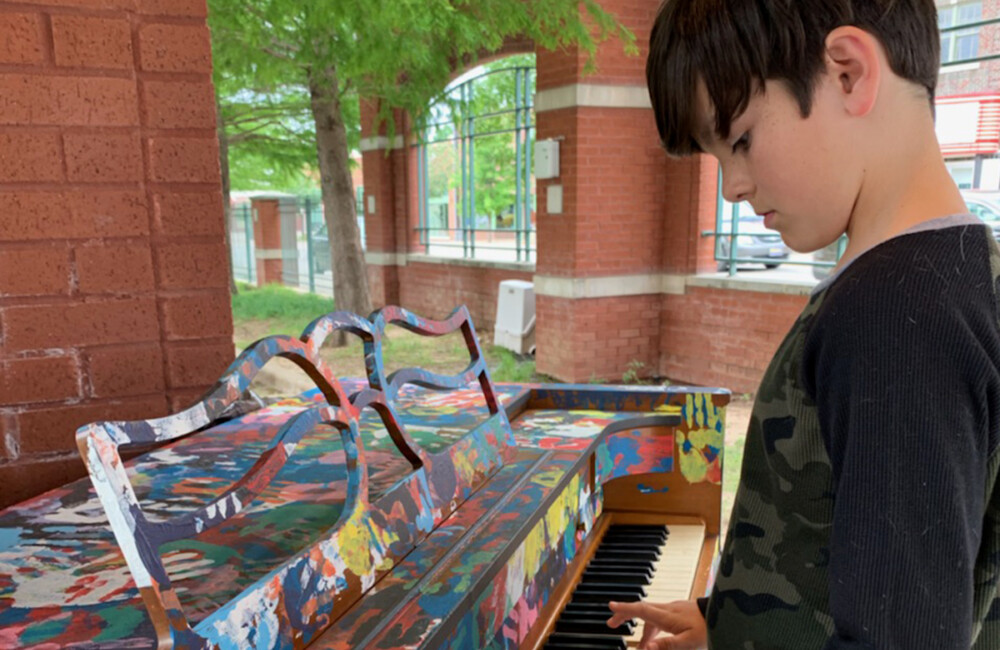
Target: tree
264,140
400,52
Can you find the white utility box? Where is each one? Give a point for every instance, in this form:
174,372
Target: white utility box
515,326
546,159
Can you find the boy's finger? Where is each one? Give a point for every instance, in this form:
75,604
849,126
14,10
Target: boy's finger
676,642
649,632
642,609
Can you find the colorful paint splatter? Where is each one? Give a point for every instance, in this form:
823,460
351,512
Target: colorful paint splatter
420,510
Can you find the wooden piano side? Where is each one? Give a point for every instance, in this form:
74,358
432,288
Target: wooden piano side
662,498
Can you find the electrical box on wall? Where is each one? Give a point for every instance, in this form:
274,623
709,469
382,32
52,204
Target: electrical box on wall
546,159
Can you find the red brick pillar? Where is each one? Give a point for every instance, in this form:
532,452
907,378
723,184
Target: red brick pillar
387,166
114,298
267,240
629,229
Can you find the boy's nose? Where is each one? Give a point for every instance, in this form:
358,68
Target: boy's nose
736,186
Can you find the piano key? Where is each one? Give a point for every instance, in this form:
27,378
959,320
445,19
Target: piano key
613,547
605,640
675,570
571,626
594,608
638,568
631,557
615,576
618,535
639,527
593,587
614,531
630,554
605,596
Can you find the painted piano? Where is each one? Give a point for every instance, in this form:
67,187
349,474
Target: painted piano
402,510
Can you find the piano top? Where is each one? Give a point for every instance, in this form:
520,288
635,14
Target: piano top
63,580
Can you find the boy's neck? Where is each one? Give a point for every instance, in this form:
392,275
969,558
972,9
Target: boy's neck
905,179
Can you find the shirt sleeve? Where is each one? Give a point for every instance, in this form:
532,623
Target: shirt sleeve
903,380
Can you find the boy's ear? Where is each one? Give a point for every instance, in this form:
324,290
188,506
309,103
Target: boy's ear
853,61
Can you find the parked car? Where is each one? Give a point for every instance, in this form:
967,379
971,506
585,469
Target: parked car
754,242
321,249
825,254
986,206
983,204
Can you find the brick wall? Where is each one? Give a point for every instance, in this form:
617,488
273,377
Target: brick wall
433,290
113,288
723,337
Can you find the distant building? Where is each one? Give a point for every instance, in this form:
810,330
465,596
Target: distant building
968,97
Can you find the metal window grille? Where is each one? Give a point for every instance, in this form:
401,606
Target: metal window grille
474,174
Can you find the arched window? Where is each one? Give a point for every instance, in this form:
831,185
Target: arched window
474,172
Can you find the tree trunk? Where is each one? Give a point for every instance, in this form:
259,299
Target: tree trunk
350,278
226,201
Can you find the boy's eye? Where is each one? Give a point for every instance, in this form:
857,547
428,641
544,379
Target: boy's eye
743,143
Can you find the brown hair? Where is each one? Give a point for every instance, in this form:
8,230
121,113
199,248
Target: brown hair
735,46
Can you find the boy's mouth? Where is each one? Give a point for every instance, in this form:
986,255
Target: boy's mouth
768,219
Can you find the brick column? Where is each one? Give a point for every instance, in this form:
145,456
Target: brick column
114,298
267,240
386,165
631,219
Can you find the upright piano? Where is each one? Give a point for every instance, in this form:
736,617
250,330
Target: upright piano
402,510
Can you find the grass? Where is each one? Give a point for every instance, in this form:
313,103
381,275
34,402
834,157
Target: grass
284,310
274,309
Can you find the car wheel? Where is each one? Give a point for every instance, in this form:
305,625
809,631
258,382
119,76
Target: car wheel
771,266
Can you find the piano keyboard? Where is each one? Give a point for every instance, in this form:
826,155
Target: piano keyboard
632,562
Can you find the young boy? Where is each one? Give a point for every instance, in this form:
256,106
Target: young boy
868,512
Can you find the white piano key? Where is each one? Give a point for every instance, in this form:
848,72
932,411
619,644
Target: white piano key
674,572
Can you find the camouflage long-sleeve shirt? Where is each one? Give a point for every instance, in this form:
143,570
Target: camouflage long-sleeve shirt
868,512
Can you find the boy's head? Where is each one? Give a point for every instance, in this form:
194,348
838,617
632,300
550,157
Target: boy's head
733,47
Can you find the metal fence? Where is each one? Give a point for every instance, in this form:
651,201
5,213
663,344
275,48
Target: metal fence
305,244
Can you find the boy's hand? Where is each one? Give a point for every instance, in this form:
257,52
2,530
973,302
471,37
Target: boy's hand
681,618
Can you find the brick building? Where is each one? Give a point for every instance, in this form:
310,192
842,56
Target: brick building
624,275
616,279
968,105
114,298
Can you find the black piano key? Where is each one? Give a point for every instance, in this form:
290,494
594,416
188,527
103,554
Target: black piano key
615,532
637,527
596,609
586,596
630,546
615,576
653,536
644,542
643,567
606,639
628,554
593,627
601,584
